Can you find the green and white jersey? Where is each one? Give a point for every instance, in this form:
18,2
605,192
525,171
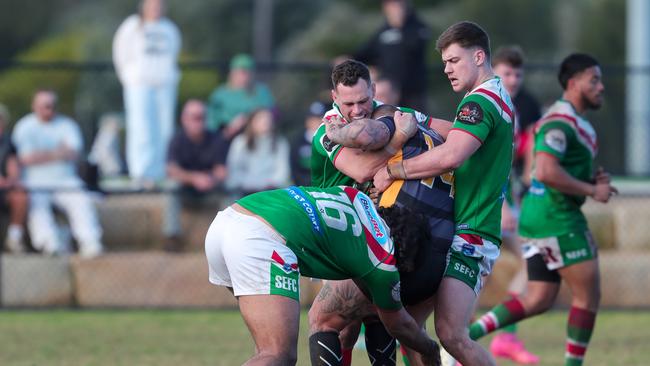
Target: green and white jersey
324,152
566,135
336,233
480,183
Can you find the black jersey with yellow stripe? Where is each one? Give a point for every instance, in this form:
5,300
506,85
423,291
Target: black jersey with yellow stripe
433,197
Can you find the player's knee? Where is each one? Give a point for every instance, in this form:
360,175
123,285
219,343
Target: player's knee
451,337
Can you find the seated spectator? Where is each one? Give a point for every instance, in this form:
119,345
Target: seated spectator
258,159
230,103
11,193
49,145
301,145
196,161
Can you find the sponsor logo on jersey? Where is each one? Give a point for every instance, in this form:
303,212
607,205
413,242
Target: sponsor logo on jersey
309,209
470,113
462,227
376,228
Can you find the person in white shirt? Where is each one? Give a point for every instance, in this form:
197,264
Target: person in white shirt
145,55
48,146
258,159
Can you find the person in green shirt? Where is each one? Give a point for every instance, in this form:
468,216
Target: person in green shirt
229,104
479,151
260,245
558,244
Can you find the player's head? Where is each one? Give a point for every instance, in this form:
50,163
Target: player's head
580,75
384,110
465,50
409,231
508,64
44,104
352,90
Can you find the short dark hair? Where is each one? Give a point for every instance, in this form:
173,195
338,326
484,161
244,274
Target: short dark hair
509,55
384,110
574,64
467,34
349,72
409,231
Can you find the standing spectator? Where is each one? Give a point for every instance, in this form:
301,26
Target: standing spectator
10,190
258,159
559,244
230,103
399,50
48,146
301,145
196,160
145,54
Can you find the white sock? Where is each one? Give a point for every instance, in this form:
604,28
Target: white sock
15,232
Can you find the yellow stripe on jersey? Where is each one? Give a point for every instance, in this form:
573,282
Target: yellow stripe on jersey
389,196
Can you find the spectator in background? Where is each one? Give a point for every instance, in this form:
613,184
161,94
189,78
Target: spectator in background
105,152
301,145
196,161
10,189
258,159
48,146
386,91
145,54
508,63
230,104
399,49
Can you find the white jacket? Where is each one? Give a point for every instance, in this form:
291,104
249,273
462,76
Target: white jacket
147,53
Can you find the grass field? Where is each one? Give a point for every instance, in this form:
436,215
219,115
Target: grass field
69,337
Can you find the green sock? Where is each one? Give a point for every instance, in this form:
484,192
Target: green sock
579,328
500,316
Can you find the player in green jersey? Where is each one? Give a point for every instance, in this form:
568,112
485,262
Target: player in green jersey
558,244
333,164
479,150
260,245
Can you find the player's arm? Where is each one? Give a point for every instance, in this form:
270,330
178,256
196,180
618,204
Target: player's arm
365,134
403,327
441,126
549,171
446,157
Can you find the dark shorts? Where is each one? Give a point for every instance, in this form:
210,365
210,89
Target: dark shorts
537,270
424,281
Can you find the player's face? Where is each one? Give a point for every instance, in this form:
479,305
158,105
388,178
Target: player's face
355,102
461,66
591,87
512,77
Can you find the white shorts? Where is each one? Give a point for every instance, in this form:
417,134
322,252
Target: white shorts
247,255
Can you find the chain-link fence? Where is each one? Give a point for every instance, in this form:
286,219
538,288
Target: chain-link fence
135,271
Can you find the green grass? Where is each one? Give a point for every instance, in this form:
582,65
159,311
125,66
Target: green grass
69,337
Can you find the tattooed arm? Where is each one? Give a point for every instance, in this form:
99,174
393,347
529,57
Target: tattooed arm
365,134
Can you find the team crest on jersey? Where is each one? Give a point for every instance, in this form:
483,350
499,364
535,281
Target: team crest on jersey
556,140
470,113
328,144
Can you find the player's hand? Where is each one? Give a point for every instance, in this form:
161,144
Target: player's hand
374,195
602,176
406,123
603,192
381,180
433,357
333,123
